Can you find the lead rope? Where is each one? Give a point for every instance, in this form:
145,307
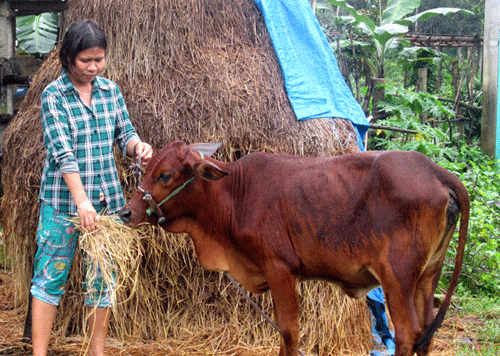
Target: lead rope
136,169
236,284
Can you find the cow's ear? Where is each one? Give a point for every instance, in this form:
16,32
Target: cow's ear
205,149
210,171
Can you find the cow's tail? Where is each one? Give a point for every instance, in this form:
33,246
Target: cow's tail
464,202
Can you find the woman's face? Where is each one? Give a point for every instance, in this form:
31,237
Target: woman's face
88,64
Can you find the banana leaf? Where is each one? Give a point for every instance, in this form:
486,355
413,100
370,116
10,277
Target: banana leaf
37,34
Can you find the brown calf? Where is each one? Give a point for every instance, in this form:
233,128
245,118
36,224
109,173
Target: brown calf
360,220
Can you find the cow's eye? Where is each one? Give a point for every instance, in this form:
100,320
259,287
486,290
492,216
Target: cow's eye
164,177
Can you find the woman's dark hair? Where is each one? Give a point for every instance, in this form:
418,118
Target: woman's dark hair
81,35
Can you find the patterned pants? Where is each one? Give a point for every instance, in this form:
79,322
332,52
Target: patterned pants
57,240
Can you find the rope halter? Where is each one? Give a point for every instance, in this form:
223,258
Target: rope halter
154,207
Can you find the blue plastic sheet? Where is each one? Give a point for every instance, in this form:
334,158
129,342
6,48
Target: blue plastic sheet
314,84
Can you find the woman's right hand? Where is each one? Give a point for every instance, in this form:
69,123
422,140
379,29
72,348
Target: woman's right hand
144,151
88,216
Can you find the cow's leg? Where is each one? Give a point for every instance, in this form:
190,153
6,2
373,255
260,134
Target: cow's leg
427,284
424,301
400,285
283,286
405,320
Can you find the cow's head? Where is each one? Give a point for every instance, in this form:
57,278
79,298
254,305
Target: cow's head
171,175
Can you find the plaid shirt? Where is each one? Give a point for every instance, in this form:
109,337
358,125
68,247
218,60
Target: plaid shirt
80,139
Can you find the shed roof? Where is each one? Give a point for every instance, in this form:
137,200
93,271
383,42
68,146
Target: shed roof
34,7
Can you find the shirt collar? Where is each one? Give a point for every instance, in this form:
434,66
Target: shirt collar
97,83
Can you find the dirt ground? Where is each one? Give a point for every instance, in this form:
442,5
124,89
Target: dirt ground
454,333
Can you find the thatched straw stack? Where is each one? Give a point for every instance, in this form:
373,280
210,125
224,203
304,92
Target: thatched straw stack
200,71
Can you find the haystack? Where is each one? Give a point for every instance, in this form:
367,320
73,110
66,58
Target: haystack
199,71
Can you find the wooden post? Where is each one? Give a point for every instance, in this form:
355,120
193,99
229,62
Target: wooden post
455,73
422,79
378,95
422,86
440,67
490,135
7,51
497,144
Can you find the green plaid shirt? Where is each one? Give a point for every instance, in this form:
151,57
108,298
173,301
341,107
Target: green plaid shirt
80,139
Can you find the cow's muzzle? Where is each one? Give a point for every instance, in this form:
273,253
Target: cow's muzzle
153,209
125,214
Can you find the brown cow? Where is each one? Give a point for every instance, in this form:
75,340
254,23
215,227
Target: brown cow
359,220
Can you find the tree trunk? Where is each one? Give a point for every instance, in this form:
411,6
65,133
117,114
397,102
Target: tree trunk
378,95
422,80
422,86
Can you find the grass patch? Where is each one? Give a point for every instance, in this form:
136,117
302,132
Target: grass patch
483,350
484,314
487,311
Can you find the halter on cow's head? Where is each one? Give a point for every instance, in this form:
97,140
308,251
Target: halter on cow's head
169,172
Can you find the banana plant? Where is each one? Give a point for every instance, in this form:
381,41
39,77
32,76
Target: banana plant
37,34
392,24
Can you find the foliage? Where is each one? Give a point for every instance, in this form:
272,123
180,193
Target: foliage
480,175
414,58
393,23
481,270
408,105
457,24
37,34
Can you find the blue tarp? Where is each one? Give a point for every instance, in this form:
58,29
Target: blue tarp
314,84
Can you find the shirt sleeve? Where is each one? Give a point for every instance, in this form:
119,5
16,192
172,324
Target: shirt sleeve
58,142
124,131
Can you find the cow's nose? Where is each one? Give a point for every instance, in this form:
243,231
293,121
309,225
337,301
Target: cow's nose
125,215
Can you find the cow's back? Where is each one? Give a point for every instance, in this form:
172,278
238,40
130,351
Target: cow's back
316,210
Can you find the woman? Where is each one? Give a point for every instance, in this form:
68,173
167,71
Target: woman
82,115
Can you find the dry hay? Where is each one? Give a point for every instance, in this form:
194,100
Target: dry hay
205,70
452,338
200,71
112,255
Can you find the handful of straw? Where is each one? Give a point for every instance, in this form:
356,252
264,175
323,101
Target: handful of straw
113,253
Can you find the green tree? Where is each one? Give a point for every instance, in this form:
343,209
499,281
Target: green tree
457,24
385,33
